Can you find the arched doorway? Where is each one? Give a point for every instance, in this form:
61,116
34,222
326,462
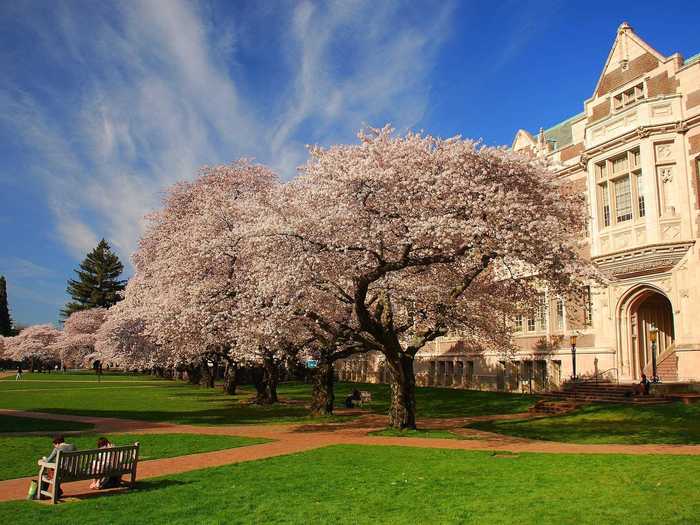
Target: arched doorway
643,307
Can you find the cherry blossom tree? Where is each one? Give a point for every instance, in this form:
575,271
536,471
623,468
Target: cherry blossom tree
34,343
293,297
425,236
122,340
77,341
191,268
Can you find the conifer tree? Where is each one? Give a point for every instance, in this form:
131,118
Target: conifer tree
97,284
6,329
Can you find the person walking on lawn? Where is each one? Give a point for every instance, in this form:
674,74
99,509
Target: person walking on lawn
18,377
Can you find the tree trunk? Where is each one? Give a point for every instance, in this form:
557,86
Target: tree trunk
323,396
402,411
265,379
207,377
194,374
230,379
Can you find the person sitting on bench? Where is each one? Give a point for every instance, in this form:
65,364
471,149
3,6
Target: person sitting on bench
104,483
59,443
352,397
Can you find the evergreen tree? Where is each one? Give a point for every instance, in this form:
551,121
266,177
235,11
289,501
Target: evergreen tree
5,319
97,284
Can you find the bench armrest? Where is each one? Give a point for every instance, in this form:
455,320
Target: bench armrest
46,464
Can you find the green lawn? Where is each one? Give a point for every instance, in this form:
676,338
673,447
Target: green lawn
85,375
673,423
445,402
394,485
25,424
140,397
20,453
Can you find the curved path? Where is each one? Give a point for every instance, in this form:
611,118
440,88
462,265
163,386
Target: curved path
289,439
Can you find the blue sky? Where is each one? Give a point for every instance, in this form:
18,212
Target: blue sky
104,104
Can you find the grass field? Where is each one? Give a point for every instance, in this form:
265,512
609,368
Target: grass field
20,453
673,423
393,485
181,403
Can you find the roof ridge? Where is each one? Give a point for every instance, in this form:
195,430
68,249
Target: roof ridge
691,59
566,121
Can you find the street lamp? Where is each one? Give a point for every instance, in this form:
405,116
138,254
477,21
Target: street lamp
653,333
572,340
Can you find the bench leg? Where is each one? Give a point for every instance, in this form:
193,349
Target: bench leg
56,485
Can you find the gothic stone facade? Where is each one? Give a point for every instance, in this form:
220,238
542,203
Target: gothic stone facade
635,152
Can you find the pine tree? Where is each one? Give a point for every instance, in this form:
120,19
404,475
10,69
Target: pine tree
5,319
97,284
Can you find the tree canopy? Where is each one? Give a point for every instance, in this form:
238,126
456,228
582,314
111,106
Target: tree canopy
6,328
97,284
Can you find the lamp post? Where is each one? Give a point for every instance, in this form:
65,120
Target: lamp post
653,333
572,340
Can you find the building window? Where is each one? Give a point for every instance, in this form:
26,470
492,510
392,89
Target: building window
697,176
518,323
619,165
587,307
629,96
605,199
530,324
623,199
560,314
620,190
542,312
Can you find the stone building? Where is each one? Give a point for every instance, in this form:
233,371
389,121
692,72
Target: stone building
635,152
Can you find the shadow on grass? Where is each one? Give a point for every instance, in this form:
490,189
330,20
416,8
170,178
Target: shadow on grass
141,487
614,424
183,404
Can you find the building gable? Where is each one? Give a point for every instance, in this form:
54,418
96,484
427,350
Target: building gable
629,58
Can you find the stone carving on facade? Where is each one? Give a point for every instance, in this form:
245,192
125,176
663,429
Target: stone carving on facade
670,231
666,174
663,151
642,132
681,127
641,261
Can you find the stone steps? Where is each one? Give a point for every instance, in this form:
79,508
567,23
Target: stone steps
604,392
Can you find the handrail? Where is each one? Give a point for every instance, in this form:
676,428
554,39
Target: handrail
671,350
595,378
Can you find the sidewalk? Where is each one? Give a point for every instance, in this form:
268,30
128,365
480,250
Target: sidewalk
290,439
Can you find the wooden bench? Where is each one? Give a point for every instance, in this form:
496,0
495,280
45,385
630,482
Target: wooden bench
365,397
87,464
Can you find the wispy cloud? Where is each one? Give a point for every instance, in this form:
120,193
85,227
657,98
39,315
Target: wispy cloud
521,21
157,88
22,268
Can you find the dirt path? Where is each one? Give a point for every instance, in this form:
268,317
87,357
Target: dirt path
289,439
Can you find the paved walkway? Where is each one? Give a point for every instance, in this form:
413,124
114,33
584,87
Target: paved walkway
289,439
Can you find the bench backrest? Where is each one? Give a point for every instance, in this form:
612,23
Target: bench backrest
97,463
